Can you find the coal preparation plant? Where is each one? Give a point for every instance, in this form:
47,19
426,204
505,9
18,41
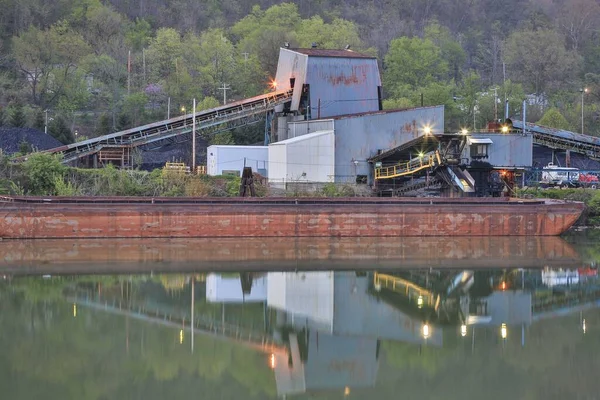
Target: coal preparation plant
324,123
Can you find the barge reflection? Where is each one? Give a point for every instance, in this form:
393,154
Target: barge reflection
261,254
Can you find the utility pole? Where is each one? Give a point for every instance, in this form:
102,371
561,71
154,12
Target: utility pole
225,88
495,104
194,138
128,72
46,123
245,54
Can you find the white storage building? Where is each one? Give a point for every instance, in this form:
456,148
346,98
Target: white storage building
302,159
220,289
230,160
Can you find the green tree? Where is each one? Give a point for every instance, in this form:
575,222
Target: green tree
554,119
335,35
450,50
48,59
41,171
17,116
539,59
138,34
412,63
60,131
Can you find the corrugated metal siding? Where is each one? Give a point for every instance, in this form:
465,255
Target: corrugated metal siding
507,150
231,158
358,138
291,65
296,129
343,85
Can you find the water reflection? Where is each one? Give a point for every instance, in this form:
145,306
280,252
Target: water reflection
279,254
458,328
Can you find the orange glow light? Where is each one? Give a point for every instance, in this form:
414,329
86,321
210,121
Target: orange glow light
273,84
503,286
272,361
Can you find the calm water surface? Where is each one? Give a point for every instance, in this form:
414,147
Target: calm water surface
436,318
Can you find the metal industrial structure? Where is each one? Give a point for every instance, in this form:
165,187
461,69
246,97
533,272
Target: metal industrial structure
117,146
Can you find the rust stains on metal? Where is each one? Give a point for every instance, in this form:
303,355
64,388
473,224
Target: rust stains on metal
332,53
286,218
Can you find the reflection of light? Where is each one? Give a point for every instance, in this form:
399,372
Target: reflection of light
181,336
420,301
346,391
583,326
463,330
426,331
503,285
503,331
272,361
74,310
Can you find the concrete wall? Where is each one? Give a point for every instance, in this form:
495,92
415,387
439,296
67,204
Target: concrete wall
221,158
507,150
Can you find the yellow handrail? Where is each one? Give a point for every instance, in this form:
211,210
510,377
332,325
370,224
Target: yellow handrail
400,285
408,168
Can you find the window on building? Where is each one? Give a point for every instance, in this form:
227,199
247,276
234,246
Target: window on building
480,147
479,150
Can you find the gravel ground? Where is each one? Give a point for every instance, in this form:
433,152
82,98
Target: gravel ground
11,138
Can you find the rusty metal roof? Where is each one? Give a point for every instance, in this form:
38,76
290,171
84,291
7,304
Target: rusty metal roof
332,53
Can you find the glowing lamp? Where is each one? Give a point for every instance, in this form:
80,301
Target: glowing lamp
463,330
426,331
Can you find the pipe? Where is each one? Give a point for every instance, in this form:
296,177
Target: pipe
524,116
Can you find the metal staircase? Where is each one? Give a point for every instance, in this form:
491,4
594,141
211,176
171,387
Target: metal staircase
178,129
418,164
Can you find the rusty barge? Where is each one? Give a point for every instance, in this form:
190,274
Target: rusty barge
142,217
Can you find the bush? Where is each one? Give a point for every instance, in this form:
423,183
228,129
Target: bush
42,172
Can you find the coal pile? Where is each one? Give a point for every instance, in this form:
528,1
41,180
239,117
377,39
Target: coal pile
180,152
11,139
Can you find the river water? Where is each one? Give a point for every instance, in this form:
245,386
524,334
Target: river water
452,318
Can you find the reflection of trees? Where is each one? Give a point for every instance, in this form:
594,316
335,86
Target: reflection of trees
100,356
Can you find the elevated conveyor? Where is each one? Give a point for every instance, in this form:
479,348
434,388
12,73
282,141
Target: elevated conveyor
563,140
174,130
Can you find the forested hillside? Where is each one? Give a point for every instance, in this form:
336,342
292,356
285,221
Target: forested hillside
91,67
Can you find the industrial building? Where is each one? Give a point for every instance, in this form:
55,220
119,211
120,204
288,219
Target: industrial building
324,123
231,160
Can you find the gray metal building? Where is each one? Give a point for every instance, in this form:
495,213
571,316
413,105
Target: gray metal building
329,82
361,136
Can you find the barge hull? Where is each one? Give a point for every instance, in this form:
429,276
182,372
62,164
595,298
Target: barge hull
157,218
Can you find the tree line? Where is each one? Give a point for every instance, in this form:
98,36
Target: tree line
98,67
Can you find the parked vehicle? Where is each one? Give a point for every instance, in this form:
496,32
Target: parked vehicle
554,175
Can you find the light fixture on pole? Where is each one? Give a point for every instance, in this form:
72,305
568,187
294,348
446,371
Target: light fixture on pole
583,92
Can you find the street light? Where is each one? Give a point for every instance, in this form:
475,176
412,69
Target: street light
583,91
